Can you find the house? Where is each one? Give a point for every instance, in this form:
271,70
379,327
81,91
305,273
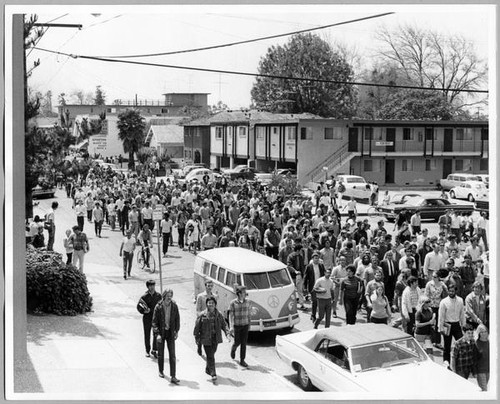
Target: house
167,139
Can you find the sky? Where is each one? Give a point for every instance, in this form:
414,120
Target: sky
130,30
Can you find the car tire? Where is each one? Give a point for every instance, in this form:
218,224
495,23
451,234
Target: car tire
452,195
470,198
303,378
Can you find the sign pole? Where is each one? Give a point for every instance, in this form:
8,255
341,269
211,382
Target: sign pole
157,216
159,254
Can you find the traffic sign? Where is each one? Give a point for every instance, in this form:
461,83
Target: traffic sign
158,212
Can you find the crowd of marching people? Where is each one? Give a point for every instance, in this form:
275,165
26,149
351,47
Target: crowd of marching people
433,286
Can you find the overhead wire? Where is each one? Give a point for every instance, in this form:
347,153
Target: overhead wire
245,41
272,76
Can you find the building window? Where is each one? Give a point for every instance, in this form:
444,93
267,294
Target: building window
464,134
368,133
164,110
275,130
290,134
407,134
305,134
218,132
260,131
333,133
430,165
459,165
242,131
483,164
368,165
406,165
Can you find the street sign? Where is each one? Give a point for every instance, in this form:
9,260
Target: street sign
389,143
158,212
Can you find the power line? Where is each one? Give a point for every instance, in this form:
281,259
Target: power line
247,40
272,76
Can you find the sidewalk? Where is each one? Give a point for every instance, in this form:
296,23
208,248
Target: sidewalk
101,355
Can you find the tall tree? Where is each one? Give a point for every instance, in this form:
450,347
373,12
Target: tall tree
305,56
430,59
100,96
131,127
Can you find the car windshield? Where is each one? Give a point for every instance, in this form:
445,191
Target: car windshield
355,180
386,355
267,280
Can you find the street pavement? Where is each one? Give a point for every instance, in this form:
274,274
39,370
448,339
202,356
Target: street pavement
101,355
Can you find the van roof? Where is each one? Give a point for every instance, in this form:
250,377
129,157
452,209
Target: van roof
241,260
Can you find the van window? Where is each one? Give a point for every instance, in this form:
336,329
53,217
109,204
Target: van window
230,279
220,276
256,281
206,267
279,278
213,271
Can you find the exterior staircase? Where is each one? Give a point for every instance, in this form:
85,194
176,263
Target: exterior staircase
332,163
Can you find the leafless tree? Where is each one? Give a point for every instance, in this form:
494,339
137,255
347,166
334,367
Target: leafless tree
431,59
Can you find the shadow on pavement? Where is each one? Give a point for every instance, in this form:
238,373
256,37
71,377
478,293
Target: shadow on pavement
25,377
43,327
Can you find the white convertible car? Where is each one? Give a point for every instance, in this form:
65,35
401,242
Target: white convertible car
368,358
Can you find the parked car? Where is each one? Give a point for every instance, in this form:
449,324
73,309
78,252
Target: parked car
456,179
365,358
266,178
355,186
482,205
470,190
198,173
41,192
429,208
242,171
187,169
399,199
485,178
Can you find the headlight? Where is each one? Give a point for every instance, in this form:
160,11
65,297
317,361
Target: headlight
293,296
254,310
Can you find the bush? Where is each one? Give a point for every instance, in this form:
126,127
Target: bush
288,183
54,287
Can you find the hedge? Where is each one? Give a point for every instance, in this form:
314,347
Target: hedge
54,287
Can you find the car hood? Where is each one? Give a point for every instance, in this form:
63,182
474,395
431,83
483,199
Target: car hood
424,380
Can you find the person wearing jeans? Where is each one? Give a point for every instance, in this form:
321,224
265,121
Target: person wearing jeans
166,324
451,319
207,332
127,252
239,321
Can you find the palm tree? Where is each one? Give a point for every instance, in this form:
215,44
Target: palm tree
131,132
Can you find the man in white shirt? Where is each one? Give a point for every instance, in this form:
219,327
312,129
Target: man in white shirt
166,231
127,252
451,318
209,240
482,225
81,211
433,261
324,288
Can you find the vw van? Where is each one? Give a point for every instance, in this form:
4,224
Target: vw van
270,289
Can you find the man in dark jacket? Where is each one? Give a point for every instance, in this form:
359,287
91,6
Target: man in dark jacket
166,324
390,271
313,272
295,264
146,306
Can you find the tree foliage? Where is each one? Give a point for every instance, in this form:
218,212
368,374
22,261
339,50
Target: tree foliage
54,287
100,96
305,56
430,59
131,128
416,105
